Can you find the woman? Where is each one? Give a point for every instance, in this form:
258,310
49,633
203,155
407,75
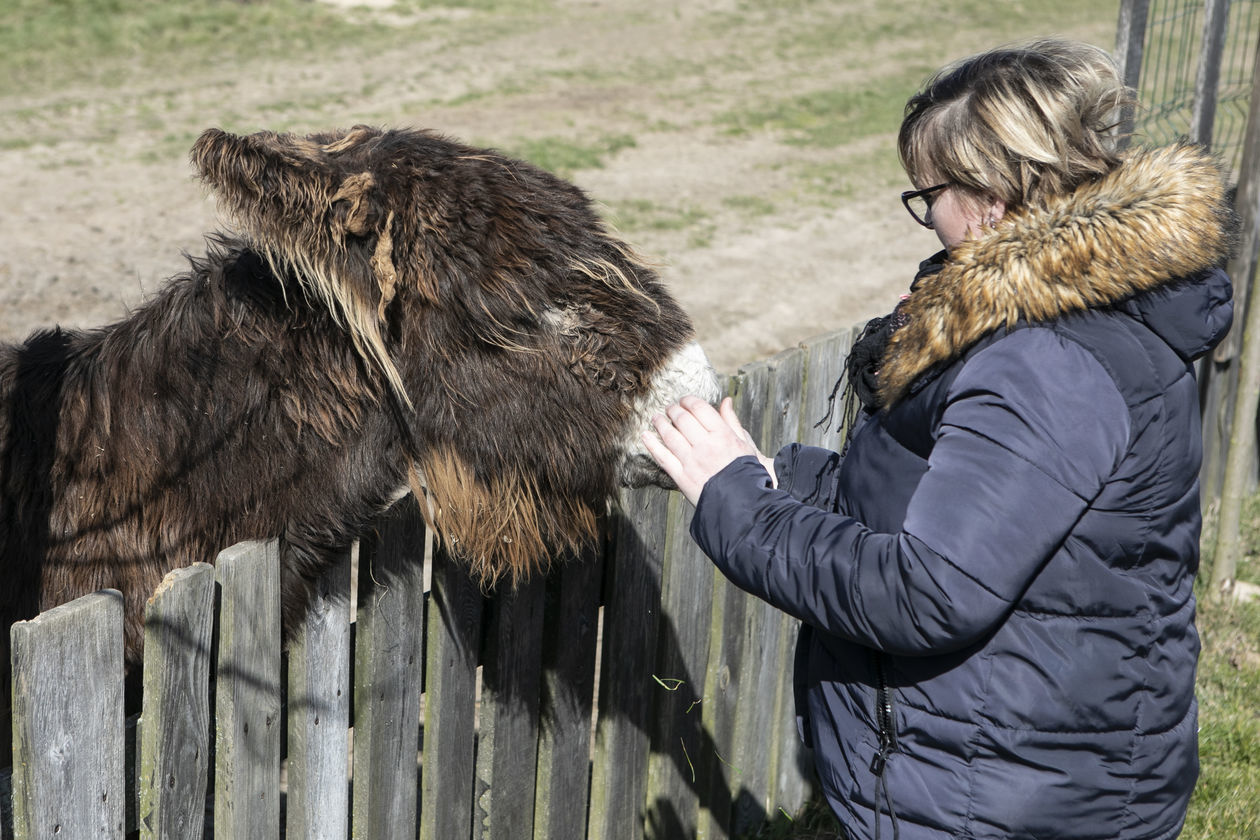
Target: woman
995,580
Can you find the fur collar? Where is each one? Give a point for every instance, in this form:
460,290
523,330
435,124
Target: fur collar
1163,214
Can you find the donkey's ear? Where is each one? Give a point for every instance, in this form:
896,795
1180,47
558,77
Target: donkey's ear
353,207
382,263
354,211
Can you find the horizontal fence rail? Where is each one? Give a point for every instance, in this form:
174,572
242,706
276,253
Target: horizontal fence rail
630,693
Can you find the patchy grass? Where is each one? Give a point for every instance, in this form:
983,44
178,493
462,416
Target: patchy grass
478,5
854,172
849,102
47,44
564,156
814,822
1249,562
749,206
829,117
644,215
1228,685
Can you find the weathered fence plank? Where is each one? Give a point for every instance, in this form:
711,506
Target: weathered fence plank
318,797
719,777
795,781
511,683
388,657
247,693
570,636
632,607
678,738
760,629
781,423
68,721
786,787
174,729
450,713
821,424
766,408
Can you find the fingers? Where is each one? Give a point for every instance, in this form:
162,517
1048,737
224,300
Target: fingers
694,418
662,454
669,451
703,413
671,437
693,442
727,412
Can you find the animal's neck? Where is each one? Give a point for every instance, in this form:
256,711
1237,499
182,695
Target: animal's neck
216,398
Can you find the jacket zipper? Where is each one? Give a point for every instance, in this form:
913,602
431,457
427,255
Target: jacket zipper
885,718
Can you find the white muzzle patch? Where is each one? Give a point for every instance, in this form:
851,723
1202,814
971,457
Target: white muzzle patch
687,372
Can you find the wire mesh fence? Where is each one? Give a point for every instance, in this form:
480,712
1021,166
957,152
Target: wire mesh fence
1173,72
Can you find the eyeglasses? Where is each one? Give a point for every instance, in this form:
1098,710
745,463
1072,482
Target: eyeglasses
919,203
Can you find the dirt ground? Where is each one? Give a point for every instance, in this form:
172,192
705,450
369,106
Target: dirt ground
99,203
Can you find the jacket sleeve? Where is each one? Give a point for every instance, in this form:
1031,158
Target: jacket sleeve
808,474
1031,428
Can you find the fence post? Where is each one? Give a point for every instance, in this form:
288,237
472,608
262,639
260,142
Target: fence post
247,693
389,658
453,626
511,683
174,730
770,404
1130,37
679,741
570,636
1216,15
318,801
1219,375
631,612
1242,268
724,674
68,725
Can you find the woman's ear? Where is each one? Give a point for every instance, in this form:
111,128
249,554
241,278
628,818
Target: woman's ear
995,210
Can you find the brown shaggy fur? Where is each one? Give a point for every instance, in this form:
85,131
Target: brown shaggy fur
1163,214
396,308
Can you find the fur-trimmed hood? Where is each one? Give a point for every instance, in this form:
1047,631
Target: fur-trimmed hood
1161,216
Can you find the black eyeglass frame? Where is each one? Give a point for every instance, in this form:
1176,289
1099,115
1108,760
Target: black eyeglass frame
926,193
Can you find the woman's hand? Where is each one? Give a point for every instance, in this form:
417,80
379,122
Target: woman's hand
696,442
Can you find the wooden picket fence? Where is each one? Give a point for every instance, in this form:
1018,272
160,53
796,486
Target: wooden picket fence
630,693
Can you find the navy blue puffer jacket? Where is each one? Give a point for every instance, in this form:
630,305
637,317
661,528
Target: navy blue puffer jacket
995,583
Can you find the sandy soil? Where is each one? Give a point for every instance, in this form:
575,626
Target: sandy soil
99,202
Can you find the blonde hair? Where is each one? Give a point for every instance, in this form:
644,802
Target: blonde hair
1017,123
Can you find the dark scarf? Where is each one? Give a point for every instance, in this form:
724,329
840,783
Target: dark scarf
859,383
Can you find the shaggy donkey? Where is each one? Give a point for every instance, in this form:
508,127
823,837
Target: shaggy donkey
396,310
